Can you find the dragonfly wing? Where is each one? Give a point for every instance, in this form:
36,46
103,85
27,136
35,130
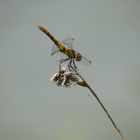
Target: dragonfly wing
68,42
54,50
85,61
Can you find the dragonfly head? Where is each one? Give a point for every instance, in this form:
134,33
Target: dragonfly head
78,57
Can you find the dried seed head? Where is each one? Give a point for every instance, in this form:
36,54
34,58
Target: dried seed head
66,78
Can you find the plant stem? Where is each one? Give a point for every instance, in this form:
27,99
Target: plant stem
103,107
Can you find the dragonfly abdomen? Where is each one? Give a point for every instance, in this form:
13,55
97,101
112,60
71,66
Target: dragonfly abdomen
57,43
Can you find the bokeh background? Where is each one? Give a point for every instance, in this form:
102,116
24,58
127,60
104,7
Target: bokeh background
105,31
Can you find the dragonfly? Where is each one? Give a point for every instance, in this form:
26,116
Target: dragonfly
66,47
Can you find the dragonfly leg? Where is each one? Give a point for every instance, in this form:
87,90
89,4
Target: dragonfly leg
74,64
62,61
71,67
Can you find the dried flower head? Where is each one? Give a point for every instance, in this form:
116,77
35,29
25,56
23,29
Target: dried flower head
66,78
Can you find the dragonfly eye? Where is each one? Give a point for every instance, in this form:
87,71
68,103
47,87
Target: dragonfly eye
78,57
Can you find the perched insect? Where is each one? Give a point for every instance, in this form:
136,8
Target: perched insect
65,47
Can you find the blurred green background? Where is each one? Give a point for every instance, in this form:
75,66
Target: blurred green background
105,31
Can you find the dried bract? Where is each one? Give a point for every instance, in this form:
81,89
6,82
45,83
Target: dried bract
66,78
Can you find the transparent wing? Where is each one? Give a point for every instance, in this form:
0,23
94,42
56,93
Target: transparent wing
83,60
54,50
68,42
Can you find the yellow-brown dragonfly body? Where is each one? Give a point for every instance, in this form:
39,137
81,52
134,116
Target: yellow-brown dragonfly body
68,51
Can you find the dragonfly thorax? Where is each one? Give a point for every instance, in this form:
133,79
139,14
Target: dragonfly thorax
70,53
67,51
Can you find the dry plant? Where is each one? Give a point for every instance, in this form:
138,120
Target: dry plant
66,77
